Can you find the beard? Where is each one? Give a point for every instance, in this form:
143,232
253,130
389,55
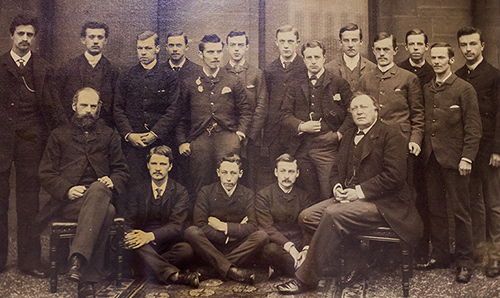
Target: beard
85,122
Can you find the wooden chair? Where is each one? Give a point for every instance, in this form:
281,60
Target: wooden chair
383,234
67,230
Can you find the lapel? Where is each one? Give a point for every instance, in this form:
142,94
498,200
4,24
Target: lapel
39,71
362,63
388,74
10,65
478,71
368,141
169,191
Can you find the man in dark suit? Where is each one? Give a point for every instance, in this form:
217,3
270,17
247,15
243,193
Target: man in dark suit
90,69
177,46
255,87
29,110
370,191
82,168
350,65
485,177
146,107
452,134
156,213
216,115
417,44
225,232
315,114
279,77
277,208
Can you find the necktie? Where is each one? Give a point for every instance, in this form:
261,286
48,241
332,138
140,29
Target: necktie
21,63
158,193
359,135
177,68
439,83
286,64
313,79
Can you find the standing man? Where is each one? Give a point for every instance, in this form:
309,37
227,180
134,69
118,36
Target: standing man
29,110
452,134
216,115
91,69
225,232
485,177
146,106
397,91
82,168
252,79
417,45
177,46
279,77
370,191
156,214
315,113
351,65
277,208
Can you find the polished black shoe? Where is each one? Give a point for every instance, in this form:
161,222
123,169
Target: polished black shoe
36,272
463,275
241,275
355,275
293,287
432,264
493,268
86,290
75,268
188,278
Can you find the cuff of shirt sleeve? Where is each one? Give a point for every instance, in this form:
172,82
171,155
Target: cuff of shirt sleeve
359,192
467,160
154,134
126,137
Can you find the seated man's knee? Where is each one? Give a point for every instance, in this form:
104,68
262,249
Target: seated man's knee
111,212
193,232
270,250
260,237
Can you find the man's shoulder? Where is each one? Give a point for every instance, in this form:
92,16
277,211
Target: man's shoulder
405,64
404,74
367,62
244,191
274,66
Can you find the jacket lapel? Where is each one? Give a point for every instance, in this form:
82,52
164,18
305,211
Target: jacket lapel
10,65
367,143
39,72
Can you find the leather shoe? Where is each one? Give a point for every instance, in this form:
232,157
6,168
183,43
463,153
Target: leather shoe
86,290
241,275
188,278
36,272
493,268
353,276
293,287
432,264
75,268
463,275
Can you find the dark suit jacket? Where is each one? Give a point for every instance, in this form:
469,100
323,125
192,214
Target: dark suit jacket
214,201
47,102
334,103
400,100
66,156
188,69
486,81
278,80
453,124
175,206
381,173
147,98
424,73
72,77
338,68
277,213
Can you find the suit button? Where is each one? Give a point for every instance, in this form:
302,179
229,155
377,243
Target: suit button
212,93
213,113
433,135
433,120
312,104
381,92
435,106
211,103
312,96
12,104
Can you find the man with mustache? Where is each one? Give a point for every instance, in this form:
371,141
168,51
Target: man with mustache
177,46
216,115
315,113
277,208
82,169
157,210
485,177
29,110
224,231
91,69
452,136
146,107
351,65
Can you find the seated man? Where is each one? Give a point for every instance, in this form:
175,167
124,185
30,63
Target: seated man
82,168
225,232
277,208
156,211
370,191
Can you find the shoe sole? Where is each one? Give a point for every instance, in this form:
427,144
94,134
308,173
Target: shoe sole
74,277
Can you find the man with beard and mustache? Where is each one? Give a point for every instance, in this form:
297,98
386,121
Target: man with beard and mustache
90,69
29,110
82,168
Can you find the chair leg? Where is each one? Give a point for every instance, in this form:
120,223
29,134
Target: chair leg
119,255
406,267
342,266
54,243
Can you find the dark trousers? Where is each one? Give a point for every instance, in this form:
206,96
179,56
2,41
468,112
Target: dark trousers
316,157
485,203
338,221
420,194
251,166
206,150
440,183
27,154
94,215
222,256
281,260
164,259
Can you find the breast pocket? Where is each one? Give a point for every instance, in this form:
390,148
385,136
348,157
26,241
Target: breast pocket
453,114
